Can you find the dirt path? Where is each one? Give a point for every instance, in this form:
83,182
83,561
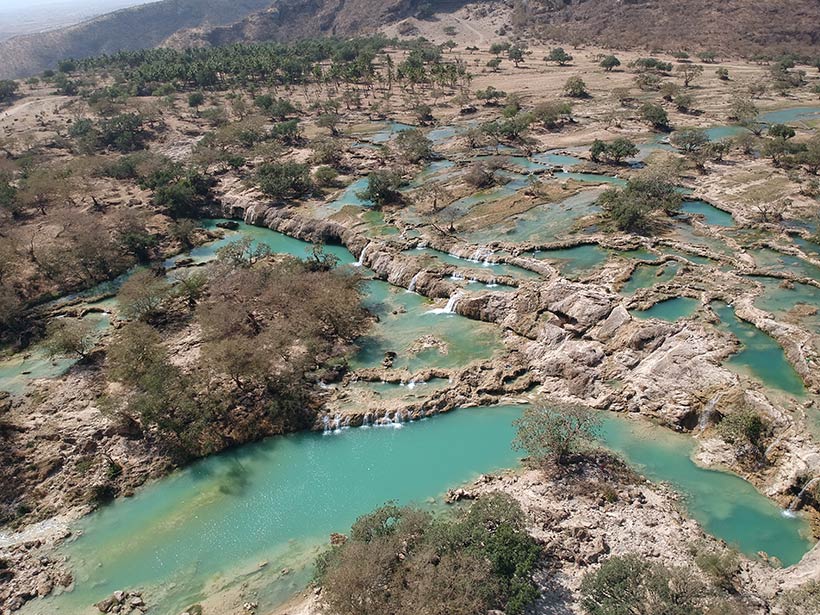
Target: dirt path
34,106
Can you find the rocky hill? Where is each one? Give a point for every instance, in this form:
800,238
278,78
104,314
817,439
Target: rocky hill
741,27
738,27
133,28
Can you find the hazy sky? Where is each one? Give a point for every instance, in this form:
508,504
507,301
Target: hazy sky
23,16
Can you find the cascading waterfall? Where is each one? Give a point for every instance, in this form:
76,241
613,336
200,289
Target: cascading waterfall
335,425
708,412
450,308
799,497
411,288
481,255
362,254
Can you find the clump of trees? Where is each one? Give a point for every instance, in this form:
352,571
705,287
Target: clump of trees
559,56
70,338
382,188
260,348
651,65
615,151
552,114
405,561
695,144
123,133
491,96
637,206
689,73
413,146
284,180
159,396
655,116
8,90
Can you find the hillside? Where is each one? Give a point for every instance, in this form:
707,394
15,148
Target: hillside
737,27
133,28
742,27
288,20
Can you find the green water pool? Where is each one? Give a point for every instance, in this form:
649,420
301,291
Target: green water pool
277,242
761,355
781,301
576,261
772,260
669,310
18,371
206,529
645,276
405,318
712,215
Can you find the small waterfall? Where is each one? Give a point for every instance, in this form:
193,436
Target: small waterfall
799,497
335,425
708,412
481,255
362,254
450,308
457,277
412,286
776,442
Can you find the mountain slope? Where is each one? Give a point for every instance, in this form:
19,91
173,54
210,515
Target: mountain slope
743,27
288,20
133,28
738,27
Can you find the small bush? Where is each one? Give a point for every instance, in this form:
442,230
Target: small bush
405,562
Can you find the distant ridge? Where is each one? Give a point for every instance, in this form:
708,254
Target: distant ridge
147,25
730,27
738,27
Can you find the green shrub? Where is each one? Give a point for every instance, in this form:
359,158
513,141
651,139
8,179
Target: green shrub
551,433
631,585
744,426
405,562
803,600
382,188
284,180
721,567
